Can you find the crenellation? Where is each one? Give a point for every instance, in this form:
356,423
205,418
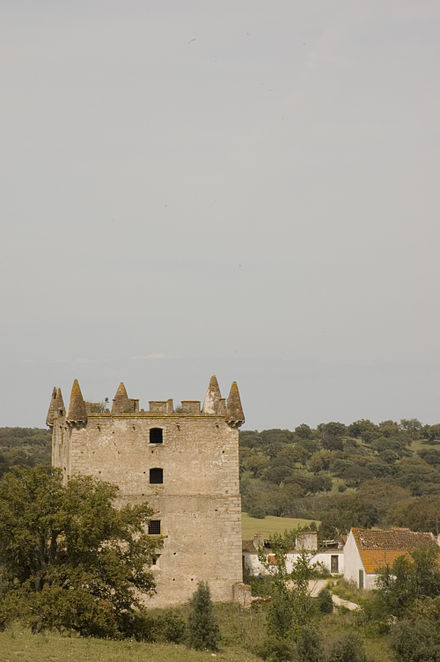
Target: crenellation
191,407
184,462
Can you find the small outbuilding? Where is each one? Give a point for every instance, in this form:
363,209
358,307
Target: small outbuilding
366,551
330,557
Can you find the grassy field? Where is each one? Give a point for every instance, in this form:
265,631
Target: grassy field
269,525
18,644
241,630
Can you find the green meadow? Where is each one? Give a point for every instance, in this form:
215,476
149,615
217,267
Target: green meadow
20,645
270,525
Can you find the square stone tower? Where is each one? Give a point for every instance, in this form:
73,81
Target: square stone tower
183,461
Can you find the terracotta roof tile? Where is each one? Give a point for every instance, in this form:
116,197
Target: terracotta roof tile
378,549
373,559
393,539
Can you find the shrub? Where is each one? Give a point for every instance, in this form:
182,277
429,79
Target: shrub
309,645
275,649
203,631
350,648
256,510
325,602
171,627
416,641
140,625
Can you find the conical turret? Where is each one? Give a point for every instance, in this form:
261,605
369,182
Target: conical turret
212,397
234,410
77,407
56,407
121,402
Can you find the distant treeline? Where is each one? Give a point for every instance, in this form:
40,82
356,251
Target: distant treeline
362,474
24,447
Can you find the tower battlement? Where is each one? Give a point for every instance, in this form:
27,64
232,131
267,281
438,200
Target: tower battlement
81,410
182,460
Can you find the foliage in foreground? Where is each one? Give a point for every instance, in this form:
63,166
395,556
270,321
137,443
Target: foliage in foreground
349,648
203,630
291,605
407,603
70,558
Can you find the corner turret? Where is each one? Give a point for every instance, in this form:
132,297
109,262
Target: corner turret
120,401
212,397
234,410
56,407
77,407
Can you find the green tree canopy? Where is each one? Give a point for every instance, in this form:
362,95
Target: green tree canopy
70,557
409,580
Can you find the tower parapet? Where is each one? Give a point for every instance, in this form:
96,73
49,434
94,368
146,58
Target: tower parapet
80,410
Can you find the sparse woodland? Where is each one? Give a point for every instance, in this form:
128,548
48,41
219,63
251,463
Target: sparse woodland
357,475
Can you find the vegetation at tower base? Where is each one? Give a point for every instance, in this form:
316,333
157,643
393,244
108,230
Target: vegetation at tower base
71,559
203,630
291,606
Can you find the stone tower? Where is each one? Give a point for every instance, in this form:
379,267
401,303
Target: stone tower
183,461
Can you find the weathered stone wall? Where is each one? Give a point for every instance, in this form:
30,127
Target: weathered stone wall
198,503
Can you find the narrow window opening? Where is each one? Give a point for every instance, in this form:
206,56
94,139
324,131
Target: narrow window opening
334,560
156,436
156,476
154,527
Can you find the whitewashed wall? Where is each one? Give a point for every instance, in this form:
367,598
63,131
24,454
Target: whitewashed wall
352,561
253,565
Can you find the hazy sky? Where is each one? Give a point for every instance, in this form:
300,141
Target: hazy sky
241,187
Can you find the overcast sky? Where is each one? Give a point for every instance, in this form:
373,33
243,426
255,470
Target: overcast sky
248,188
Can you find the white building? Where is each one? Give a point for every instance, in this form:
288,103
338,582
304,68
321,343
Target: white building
331,558
367,550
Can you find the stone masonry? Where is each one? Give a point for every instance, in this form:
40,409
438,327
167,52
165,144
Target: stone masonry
183,461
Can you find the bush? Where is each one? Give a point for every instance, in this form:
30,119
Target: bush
325,602
416,641
140,625
275,649
256,510
171,627
203,631
350,648
309,645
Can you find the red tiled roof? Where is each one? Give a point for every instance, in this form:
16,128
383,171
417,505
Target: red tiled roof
394,539
378,549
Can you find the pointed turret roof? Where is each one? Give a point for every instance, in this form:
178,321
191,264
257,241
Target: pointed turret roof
234,410
120,401
77,407
56,407
212,397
